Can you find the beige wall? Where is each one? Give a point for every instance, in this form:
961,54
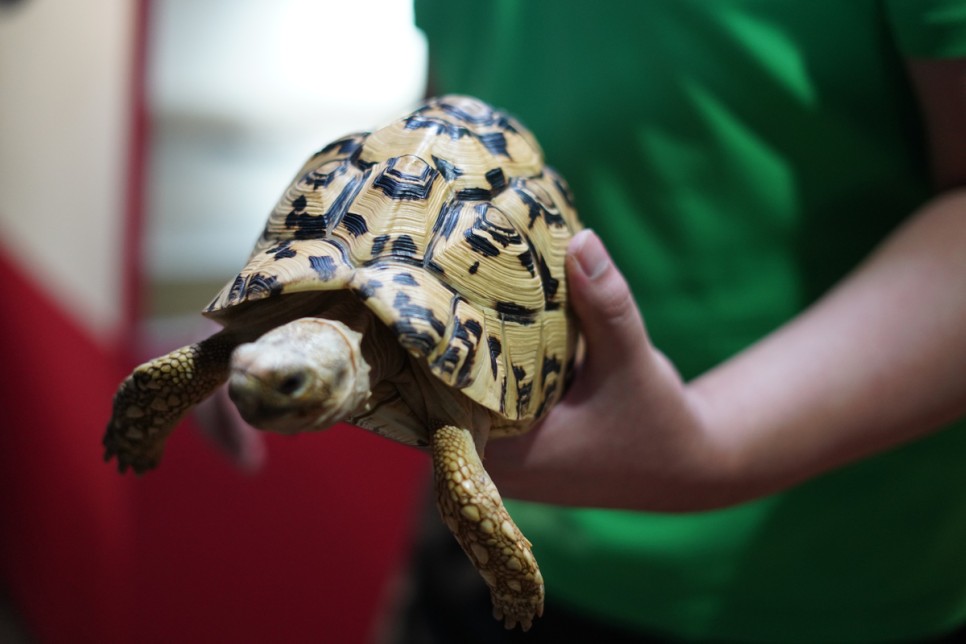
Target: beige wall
65,67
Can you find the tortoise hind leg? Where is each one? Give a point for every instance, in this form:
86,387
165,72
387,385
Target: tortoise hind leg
151,401
473,510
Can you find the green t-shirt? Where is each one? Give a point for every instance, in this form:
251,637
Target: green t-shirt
738,157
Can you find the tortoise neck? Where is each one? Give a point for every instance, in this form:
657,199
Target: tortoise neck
380,348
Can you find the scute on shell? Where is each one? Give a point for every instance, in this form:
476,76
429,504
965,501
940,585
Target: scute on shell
448,226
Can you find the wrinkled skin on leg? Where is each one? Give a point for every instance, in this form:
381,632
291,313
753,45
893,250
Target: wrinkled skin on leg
153,399
472,509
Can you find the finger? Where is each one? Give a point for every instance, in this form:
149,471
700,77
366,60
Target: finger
219,420
609,318
614,336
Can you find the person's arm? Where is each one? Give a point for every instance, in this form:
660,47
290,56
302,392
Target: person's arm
880,360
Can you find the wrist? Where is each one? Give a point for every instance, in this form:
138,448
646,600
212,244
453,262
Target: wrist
719,458
704,468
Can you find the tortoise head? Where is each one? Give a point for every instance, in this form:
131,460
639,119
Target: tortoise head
304,374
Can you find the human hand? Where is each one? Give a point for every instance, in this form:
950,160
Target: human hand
220,422
628,433
862,370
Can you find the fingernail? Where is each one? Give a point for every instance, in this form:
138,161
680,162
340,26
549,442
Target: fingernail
592,257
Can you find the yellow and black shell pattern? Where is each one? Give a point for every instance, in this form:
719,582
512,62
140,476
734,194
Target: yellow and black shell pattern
449,227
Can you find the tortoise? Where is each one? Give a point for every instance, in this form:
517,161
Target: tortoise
410,281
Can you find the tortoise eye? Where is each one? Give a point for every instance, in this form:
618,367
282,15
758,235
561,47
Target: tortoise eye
291,384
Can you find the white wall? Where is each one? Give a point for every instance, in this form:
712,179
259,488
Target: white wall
64,108
242,92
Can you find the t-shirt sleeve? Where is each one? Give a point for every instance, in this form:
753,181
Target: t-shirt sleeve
929,28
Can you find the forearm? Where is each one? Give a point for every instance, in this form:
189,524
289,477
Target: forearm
880,360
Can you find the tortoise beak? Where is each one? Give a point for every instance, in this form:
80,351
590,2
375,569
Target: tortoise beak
259,404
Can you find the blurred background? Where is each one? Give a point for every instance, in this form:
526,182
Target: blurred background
142,145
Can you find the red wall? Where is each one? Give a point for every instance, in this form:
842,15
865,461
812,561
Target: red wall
195,551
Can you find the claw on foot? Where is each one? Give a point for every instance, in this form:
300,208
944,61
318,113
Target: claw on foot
473,510
152,400
141,421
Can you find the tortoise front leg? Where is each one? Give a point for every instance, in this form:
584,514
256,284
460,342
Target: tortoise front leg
151,401
473,510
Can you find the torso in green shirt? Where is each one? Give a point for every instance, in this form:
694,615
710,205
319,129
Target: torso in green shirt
738,157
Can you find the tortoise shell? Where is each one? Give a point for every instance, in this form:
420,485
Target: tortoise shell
449,227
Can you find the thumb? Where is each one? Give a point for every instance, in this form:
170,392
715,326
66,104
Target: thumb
609,319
